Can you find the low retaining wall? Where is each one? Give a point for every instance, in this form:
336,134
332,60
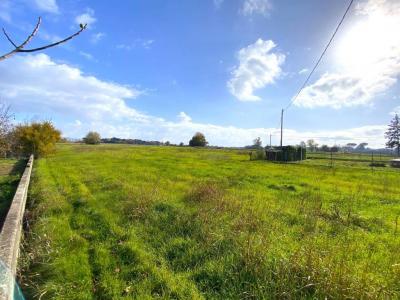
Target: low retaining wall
11,234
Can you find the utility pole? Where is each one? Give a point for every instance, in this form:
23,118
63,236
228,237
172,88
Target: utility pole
270,140
281,127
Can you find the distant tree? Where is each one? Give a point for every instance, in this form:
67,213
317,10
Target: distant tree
312,145
325,148
37,138
5,129
198,140
335,148
351,145
303,144
167,143
393,134
92,138
361,146
181,144
257,142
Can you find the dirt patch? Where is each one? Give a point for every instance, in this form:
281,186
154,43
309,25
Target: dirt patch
11,167
5,169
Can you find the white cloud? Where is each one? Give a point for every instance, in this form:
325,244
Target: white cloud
9,7
49,6
124,47
396,111
258,67
302,71
251,7
88,56
143,43
183,117
343,90
5,8
147,44
368,57
97,37
86,18
35,85
60,88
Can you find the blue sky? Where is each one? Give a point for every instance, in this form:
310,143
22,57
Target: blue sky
162,70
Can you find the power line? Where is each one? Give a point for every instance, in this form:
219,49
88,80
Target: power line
314,68
322,55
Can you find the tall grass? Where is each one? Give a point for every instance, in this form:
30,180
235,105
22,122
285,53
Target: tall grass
119,222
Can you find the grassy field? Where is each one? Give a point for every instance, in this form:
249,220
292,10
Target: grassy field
351,157
356,160
126,222
10,172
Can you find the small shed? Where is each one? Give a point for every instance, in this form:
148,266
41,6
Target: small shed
395,163
286,153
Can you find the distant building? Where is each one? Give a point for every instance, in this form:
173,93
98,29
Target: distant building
395,163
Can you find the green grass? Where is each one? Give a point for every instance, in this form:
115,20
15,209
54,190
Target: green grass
357,160
10,172
123,222
353,157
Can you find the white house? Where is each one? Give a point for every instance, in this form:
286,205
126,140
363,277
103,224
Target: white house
395,163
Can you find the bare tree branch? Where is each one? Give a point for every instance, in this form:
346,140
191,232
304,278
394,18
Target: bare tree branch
32,34
19,49
9,39
5,128
28,39
54,44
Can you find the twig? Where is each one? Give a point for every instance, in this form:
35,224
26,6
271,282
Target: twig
54,44
9,39
29,38
35,30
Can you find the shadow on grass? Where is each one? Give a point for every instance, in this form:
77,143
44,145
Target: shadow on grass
8,186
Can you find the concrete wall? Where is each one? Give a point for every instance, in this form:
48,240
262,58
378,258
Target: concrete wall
11,234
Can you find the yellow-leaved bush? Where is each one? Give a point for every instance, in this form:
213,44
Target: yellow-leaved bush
38,138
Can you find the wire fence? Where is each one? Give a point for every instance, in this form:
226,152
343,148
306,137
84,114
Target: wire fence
356,159
352,156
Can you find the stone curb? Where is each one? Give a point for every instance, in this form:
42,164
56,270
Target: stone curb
11,234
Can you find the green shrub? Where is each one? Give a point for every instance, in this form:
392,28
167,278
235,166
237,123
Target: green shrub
258,155
198,140
36,138
92,138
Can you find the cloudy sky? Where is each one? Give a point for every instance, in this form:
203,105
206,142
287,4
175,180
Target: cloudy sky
162,70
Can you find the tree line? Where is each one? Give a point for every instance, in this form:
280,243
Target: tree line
392,136
40,138
94,138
